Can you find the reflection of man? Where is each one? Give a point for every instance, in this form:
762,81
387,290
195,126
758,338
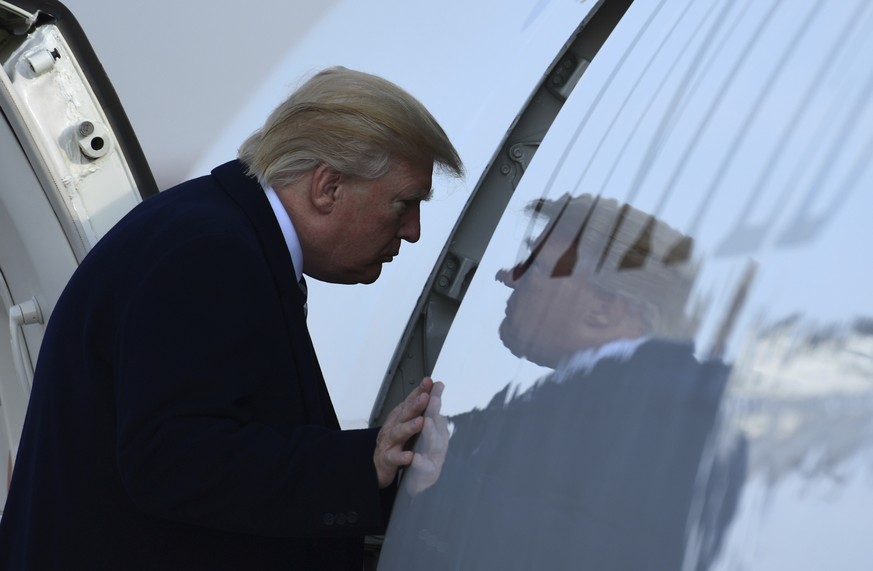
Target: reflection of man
598,274
603,464
179,419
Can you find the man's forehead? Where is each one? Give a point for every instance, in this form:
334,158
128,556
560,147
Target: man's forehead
413,183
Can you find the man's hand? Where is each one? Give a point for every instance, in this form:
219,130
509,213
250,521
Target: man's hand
430,452
404,422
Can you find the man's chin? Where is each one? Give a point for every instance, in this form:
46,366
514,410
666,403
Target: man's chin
524,346
510,338
371,275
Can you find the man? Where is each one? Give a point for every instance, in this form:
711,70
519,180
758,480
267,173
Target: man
179,418
608,462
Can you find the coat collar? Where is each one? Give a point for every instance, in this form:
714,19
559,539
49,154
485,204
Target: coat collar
248,194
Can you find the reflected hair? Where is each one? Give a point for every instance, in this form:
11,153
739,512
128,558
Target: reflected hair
624,252
355,123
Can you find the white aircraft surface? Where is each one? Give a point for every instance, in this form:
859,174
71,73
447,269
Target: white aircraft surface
745,124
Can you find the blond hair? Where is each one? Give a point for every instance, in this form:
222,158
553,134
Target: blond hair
354,122
624,252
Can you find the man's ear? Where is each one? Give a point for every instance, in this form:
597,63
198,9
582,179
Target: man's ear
617,316
607,310
323,188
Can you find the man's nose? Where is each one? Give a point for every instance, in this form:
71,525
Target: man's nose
410,229
504,276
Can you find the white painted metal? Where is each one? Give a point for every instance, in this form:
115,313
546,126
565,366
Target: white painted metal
55,201
51,105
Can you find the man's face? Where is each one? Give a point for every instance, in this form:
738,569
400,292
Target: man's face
370,219
546,317
550,318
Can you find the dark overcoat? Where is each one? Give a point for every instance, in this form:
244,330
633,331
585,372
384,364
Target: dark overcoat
612,468
179,418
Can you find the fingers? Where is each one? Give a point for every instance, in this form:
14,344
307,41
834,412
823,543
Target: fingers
390,453
401,433
403,422
434,435
413,405
394,458
441,428
430,453
424,387
435,401
421,394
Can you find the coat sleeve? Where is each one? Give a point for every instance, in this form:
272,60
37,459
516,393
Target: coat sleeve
211,428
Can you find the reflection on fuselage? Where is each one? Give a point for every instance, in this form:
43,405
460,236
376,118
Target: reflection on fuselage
798,392
803,399
747,125
598,463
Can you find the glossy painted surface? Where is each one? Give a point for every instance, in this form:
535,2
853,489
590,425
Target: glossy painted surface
735,433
